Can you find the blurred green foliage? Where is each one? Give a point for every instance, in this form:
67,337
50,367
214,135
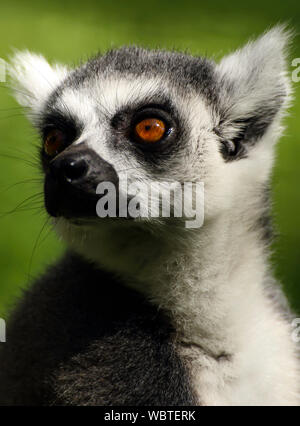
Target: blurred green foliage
70,31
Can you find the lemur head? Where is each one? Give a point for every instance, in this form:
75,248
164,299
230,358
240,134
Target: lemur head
156,116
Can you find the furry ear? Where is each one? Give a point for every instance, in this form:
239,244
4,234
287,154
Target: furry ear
33,78
254,90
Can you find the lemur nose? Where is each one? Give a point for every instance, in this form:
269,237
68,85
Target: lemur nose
70,168
71,181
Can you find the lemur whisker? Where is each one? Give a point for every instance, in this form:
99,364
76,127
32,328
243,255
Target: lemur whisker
23,204
15,157
25,181
35,247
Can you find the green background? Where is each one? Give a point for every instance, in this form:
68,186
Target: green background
70,31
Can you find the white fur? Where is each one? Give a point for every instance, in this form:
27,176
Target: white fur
34,79
257,74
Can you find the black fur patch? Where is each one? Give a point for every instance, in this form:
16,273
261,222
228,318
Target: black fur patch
252,129
80,338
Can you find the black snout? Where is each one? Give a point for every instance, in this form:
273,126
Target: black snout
70,168
71,181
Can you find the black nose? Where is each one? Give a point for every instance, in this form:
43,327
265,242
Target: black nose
71,180
70,168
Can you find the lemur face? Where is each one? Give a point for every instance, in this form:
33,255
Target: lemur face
127,113
156,116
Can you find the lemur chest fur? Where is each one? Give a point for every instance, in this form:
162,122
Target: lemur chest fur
230,319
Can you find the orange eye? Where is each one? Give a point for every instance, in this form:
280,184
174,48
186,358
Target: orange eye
54,142
150,130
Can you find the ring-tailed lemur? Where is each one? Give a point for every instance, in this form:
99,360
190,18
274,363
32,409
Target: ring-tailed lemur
146,311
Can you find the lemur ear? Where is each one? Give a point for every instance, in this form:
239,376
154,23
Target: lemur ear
255,89
33,78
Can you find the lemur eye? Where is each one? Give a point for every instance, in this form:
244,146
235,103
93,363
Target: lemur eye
150,130
54,142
